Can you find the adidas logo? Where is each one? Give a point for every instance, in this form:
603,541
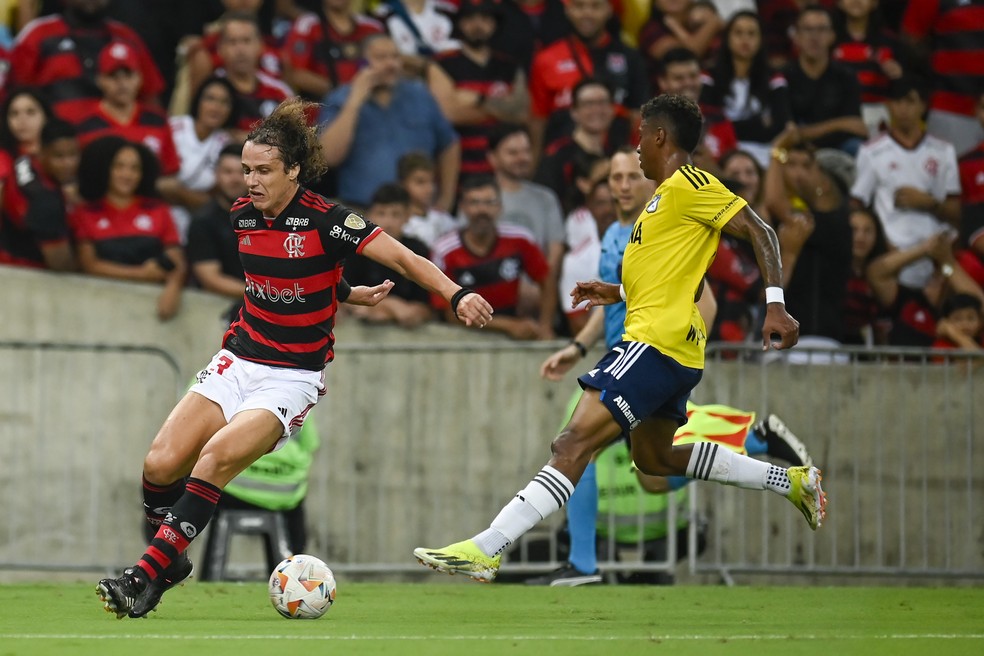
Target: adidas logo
245,241
283,411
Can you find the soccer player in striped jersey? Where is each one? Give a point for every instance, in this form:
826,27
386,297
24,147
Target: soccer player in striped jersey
269,373
641,386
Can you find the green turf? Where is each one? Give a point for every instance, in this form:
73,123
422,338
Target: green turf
470,619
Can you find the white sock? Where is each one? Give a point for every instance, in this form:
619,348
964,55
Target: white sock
546,493
713,462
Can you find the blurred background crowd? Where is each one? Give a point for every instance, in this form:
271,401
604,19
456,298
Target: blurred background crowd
482,134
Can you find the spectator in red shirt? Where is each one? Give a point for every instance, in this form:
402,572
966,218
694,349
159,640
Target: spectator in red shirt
123,231
490,257
240,48
872,52
972,201
961,324
589,51
679,24
202,51
22,117
120,112
679,72
33,226
949,31
60,53
322,49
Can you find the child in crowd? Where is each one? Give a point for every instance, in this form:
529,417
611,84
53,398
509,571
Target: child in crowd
415,171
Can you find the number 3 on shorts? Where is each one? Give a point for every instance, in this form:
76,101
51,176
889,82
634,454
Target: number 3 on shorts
223,364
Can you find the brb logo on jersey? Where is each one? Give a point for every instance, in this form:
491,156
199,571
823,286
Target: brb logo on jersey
294,245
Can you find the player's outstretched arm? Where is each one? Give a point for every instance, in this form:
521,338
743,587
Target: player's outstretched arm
470,308
562,360
747,225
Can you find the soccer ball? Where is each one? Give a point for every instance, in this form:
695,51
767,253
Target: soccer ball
302,587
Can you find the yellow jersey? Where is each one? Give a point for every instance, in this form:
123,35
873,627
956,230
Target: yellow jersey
673,243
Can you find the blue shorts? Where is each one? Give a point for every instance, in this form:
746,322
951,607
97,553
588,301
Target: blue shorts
637,381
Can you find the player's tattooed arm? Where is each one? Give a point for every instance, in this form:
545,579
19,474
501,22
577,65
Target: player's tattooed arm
747,225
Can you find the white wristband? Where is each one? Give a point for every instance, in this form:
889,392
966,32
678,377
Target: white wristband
774,295
621,291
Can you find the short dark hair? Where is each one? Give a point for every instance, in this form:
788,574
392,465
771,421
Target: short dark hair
589,82
238,17
903,86
97,160
961,302
55,129
287,130
677,55
503,131
474,182
233,149
682,118
234,106
411,163
813,9
390,194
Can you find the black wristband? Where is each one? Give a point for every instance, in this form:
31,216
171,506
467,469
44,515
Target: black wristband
582,349
458,295
342,290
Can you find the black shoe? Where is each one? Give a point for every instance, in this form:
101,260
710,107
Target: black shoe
120,594
176,572
567,576
781,443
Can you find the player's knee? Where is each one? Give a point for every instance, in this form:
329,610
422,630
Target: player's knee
161,468
571,443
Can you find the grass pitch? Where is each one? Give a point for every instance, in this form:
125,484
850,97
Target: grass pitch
468,619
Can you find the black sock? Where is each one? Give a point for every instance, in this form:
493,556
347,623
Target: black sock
188,517
157,502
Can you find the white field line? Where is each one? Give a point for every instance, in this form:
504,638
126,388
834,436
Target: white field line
531,638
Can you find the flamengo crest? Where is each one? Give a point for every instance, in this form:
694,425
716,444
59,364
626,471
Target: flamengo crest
294,245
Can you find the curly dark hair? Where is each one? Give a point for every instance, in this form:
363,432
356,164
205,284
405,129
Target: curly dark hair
7,140
681,117
287,130
97,160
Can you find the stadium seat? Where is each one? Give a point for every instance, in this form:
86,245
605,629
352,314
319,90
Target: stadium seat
270,525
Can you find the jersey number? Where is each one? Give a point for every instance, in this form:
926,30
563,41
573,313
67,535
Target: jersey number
224,363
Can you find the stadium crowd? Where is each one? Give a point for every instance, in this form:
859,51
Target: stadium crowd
479,132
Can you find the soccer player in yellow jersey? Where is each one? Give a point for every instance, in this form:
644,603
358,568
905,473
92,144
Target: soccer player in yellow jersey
640,388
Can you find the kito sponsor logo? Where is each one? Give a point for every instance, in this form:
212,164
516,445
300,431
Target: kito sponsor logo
338,233
267,292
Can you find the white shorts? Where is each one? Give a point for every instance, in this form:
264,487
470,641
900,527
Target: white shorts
236,384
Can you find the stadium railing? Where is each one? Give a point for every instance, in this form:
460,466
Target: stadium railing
422,443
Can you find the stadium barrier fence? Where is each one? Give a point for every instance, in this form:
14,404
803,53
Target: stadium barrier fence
422,443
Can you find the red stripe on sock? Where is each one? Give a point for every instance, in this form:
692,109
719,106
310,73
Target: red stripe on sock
158,488
208,493
148,569
158,556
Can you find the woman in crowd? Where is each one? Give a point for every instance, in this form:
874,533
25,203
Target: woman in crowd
24,114
745,90
122,230
199,137
864,322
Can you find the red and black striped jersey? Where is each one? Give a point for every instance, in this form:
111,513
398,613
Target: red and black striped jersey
52,53
148,126
955,29
336,57
865,58
126,235
972,195
495,275
493,79
256,105
33,214
292,265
